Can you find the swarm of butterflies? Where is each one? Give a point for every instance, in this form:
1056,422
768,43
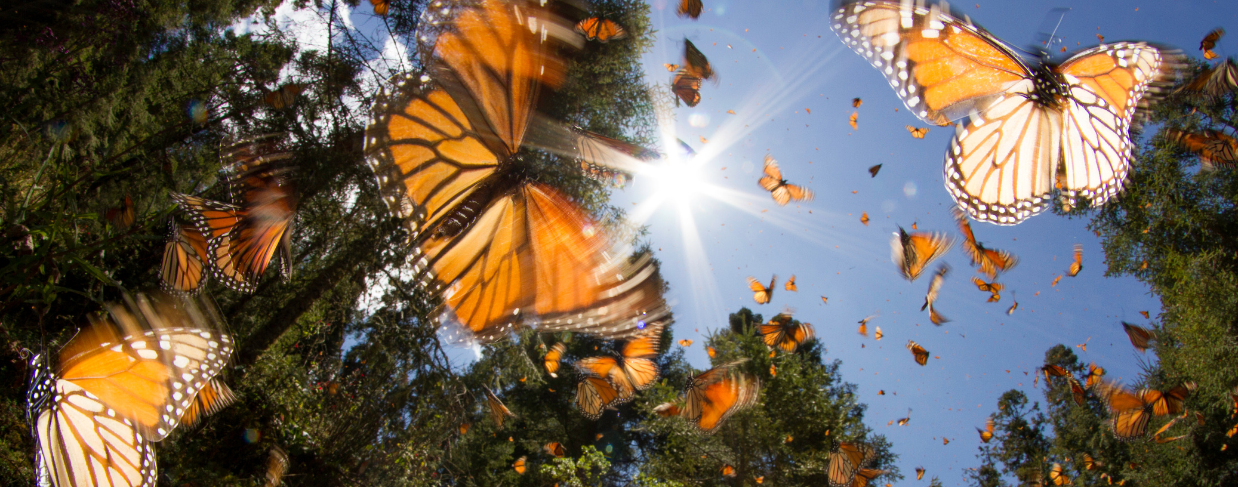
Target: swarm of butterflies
505,251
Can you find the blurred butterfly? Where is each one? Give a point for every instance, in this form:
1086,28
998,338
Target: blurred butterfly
121,217
632,370
464,428
687,88
1131,411
863,330
1076,390
852,119
685,343
991,262
519,466
790,284
183,270
1139,336
690,8
277,466
1215,81
444,150
773,371
671,67
728,471
921,355
287,94
380,6
917,132
1057,476
1215,149
912,252
935,284
945,441
498,412
667,409
825,300
713,396
991,287
986,434
846,460
760,479
594,395
695,63
779,189
919,473
864,475
856,102
121,384
243,237
710,351
1012,308
1209,42
1090,463
555,449
1145,315
552,358
601,30
784,333
872,170
761,293
877,334
945,68
1094,375
864,218
1051,371
904,421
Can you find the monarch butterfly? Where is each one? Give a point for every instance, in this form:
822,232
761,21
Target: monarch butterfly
852,120
286,95
464,428
120,385
1139,336
728,471
122,216
919,473
555,449
685,343
632,370
277,466
1132,410
601,30
760,479
687,88
519,465
856,102
782,192
1210,41
825,300
498,247
864,218
877,334
498,412
918,132
1077,265
695,64
1145,315
936,317
784,333
1012,308
904,421
1214,148
863,329
1094,375
986,434
1076,391
846,460
593,395
935,284
1051,371
989,287
1090,463
710,351
1215,81
214,396
872,170
690,8
991,262
944,68
713,396
864,475
667,409
912,252
552,358
1057,476
761,293
920,354
671,67
184,256
790,284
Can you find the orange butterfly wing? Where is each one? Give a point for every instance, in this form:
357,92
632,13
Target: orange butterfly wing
184,260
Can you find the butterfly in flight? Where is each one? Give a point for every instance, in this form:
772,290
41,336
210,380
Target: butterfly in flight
1130,411
1077,265
685,343
921,355
986,434
671,67
864,218
122,216
184,267
945,68
918,132
1209,42
914,251
760,293
790,284
1215,149
1139,336
852,120
695,64
686,87
121,384
498,411
519,466
930,297
856,102
552,358
873,170
846,460
714,395
784,333
690,8
555,449
919,473
499,247
631,370
865,475
779,189
1215,81
601,30
991,261
1094,375
1058,476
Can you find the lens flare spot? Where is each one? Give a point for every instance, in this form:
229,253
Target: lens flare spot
909,189
698,120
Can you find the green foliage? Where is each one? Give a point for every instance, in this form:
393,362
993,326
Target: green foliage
585,471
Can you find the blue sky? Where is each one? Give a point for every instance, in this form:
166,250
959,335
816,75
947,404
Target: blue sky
711,242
